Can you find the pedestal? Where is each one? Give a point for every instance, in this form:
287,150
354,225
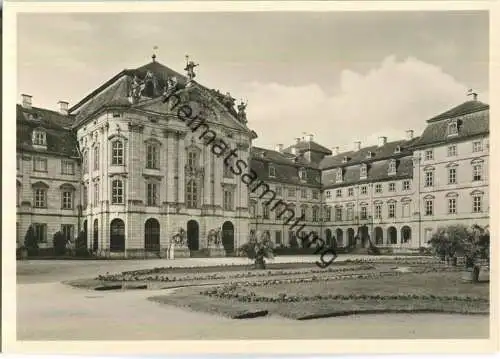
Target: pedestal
182,252
216,252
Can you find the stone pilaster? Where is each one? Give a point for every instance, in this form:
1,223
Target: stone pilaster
171,167
181,164
207,163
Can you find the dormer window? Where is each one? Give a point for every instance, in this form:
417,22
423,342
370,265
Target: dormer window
39,137
363,171
345,159
302,174
397,149
369,154
453,128
339,175
392,167
272,171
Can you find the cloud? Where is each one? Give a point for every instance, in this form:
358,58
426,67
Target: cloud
385,101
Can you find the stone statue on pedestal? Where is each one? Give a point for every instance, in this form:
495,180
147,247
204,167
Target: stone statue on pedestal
180,238
242,115
190,65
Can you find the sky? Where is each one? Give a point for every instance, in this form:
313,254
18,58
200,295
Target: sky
341,76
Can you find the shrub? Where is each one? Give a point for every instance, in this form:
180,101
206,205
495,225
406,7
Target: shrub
30,241
59,243
258,248
81,249
293,243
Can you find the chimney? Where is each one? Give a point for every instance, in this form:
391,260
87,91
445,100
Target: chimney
294,151
357,145
297,140
26,101
63,107
409,135
382,140
310,137
279,147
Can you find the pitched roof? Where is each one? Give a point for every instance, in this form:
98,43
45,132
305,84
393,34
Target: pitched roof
377,172
361,156
285,166
436,132
60,139
460,110
304,146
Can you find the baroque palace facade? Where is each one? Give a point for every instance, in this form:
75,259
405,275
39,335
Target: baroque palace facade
123,167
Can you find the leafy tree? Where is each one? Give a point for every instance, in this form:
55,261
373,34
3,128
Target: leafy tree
258,248
449,241
59,242
30,241
81,244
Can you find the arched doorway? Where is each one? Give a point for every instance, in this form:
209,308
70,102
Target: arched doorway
95,244
350,237
340,238
117,236
379,235
193,235
328,234
152,235
405,234
363,235
392,235
228,237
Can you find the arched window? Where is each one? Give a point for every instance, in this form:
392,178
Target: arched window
392,167
85,161
192,194
152,156
117,154
192,160
117,192
96,159
363,171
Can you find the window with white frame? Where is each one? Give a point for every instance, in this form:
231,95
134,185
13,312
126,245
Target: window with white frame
392,187
96,194
303,212
405,208
392,167
265,211
378,188
328,194
117,192
192,194
227,169
303,174
364,190
327,214
192,160
84,196
96,159
315,214
291,192
378,211
67,199
277,237
391,210
339,175
477,203
40,164
68,231
40,231
315,194
477,171
39,138
350,192
303,193
453,128
452,150
477,146
40,200
429,206
350,212
152,156
228,200
452,175
67,167
338,214
117,153
452,205
338,193
429,178
152,194
429,155
363,171
406,185
279,191
364,212
85,162
272,171
397,149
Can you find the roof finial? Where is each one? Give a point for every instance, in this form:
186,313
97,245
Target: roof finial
154,53
472,93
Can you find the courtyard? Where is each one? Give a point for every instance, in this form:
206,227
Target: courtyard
185,302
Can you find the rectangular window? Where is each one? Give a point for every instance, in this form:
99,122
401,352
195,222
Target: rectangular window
429,155
452,176
392,187
452,206
272,172
40,198
40,164
406,185
227,173
477,172
277,237
364,189
96,194
228,202
406,209
152,160
350,192
429,207
303,193
477,146
291,192
338,193
85,196
68,167
378,188
350,213
67,199
364,212
279,191
392,210
328,214
96,159
477,204
429,179
68,231
328,194
452,150
338,214
315,194
265,211
315,214
303,212
40,230
378,211
152,195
